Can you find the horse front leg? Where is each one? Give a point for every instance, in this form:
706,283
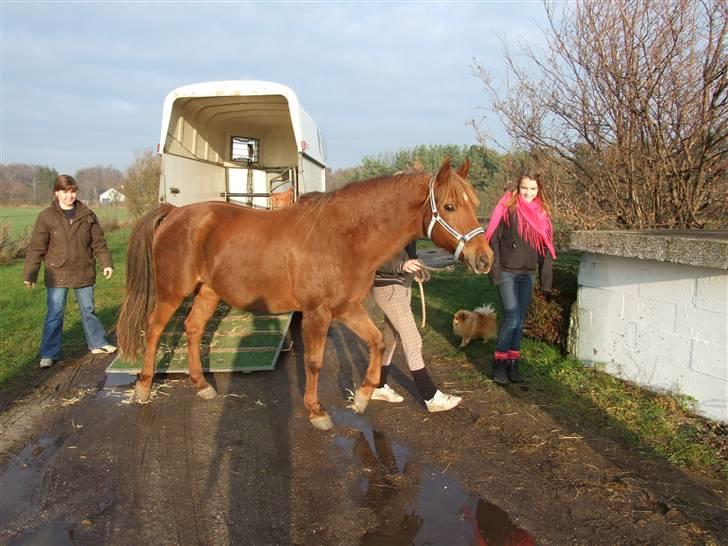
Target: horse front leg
358,321
202,309
315,325
158,319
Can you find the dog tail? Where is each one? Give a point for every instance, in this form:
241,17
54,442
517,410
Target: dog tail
486,309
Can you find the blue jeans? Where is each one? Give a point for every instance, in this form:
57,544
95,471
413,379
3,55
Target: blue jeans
50,346
515,291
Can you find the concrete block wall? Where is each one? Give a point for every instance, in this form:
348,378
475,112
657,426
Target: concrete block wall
658,324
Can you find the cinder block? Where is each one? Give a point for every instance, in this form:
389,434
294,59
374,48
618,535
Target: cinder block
712,395
663,348
626,367
601,302
698,324
710,359
609,273
673,283
585,319
606,340
650,313
711,291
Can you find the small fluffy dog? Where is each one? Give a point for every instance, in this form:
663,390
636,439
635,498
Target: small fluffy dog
474,324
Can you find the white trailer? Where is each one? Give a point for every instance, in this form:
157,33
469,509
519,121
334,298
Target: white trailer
242,141
251,143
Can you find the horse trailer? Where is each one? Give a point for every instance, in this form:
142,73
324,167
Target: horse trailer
245,141
249,143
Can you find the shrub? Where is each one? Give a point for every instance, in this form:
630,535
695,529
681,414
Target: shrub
12,249
548,316
142,183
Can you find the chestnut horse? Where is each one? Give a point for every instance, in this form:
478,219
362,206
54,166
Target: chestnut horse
317,256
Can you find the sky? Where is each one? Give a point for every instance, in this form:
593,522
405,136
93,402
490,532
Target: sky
83,83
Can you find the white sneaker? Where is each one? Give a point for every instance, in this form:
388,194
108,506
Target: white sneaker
105,350
46,362
387,394
442,402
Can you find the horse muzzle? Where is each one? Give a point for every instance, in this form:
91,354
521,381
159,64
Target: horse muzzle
482,264
479,262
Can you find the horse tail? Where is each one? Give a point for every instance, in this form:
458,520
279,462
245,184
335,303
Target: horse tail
140,291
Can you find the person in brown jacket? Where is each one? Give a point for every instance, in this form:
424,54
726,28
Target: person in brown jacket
68,238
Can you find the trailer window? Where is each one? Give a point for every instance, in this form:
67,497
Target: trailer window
245,149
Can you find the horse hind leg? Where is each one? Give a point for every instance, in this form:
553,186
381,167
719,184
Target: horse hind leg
202,309
315,325
358,321
158,319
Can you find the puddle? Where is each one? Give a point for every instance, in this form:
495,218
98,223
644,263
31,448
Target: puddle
119,380
117,387
53,534
20,476
416,504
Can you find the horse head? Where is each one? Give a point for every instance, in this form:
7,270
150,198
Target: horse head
452,222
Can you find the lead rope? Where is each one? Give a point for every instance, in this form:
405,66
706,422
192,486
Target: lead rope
422,302
422,290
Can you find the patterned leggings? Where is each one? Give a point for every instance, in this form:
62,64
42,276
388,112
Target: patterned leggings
399,324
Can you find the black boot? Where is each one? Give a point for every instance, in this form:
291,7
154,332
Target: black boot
513,373
500,372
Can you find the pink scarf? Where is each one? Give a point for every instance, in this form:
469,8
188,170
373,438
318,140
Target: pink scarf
534,225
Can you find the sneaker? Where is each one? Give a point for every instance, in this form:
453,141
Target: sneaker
46,362
387,394
105,350
442,402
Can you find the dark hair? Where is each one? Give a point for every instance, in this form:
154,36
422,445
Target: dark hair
542,193
65,182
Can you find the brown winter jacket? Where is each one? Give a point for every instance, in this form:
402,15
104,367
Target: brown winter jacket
66,248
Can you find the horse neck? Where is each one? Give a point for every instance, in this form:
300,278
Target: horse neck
392,218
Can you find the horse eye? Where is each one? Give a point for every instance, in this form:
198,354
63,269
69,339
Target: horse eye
449,207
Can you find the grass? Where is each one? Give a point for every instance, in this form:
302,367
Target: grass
22,312
22,219
584,397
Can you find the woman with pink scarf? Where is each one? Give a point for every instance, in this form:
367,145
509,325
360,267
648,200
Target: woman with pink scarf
521,236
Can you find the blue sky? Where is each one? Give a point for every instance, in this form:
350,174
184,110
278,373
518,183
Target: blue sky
83,82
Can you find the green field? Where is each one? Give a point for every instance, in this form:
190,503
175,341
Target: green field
22,219
22,312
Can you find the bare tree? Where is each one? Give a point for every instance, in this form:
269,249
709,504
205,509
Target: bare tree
93,181
141,185
626,107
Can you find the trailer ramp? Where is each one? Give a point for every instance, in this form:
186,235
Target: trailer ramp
234,341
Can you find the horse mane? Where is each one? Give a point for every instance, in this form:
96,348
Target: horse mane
455,190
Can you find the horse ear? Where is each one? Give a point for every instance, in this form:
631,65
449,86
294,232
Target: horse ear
463,171
444,173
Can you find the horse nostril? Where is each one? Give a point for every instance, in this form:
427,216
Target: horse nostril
482,262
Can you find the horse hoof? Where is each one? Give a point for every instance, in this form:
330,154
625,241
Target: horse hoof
322,422
141,394
360,402
208,393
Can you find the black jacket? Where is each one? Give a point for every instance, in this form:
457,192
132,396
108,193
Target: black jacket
512,253
390,272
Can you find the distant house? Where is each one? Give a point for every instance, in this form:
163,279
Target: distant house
111,196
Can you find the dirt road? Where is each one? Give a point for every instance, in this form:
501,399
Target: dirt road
80,465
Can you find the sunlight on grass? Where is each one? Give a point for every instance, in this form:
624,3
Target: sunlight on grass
22,312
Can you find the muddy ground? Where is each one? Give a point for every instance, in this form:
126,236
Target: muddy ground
81,465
